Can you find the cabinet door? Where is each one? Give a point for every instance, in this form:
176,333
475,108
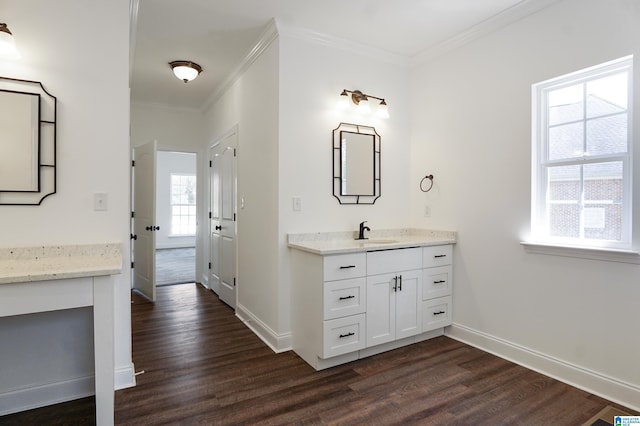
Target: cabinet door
381,309
408,301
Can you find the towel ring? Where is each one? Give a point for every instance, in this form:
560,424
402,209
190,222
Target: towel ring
430,177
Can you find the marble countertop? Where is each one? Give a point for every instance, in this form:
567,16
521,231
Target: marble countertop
27,264
325,243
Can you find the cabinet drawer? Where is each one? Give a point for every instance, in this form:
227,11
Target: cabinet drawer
343,335
344,297
387,261
436,313
436,256
436,282
343,266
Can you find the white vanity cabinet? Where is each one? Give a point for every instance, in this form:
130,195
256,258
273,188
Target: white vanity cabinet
437,287
394,290
328,307
355,299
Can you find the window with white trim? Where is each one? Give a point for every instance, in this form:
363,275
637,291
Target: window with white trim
581,167
183,204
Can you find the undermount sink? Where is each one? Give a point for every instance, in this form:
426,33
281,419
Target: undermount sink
377,241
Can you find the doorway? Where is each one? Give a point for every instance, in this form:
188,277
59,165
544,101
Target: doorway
164,218
176,217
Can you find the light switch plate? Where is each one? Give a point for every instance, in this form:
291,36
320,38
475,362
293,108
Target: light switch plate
297,204
100,201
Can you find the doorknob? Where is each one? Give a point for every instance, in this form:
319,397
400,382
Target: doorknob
134,237
152,228
148,228
218,227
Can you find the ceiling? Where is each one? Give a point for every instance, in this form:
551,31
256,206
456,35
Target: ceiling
218,34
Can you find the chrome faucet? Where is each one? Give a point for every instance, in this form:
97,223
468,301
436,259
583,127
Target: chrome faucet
361,231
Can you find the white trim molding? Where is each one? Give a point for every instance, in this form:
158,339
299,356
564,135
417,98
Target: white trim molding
267,37
48,394
508,16
125,377
607,255
277,342
607,387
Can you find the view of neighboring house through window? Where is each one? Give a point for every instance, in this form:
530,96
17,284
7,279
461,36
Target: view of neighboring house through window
183,204
581,171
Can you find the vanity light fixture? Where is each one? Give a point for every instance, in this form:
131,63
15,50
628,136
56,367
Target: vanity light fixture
7,43
185,70
362,103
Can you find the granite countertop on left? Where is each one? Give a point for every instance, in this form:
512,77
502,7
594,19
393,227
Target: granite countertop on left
27,264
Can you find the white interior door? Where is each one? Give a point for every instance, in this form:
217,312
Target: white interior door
144,219
223,219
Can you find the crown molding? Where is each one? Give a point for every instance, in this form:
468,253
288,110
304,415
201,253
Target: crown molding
345,45
267,37
508,16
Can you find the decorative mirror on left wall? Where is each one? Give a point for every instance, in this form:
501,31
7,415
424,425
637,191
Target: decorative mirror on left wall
27,142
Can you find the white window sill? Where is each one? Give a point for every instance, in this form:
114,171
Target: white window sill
604,254
182,235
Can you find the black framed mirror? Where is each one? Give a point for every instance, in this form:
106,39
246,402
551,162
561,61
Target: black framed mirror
356,164
27,142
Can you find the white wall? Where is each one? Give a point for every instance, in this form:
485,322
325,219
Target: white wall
168,163
175,129
71,46
251,103
312,76
284,107
575,319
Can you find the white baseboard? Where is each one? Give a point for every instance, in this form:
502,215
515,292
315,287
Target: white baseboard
55,393
42,395
277,342
204,281
125,377
610,388
161,246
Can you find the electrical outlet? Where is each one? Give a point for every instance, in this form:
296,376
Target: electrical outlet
297,204
427,211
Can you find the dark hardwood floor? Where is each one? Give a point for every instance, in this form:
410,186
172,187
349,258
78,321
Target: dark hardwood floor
203,366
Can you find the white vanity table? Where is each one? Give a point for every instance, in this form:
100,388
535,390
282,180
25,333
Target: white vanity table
40,279
354,298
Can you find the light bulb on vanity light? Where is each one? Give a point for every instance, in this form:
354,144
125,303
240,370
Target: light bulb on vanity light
7,42
363,106
343,100
382,111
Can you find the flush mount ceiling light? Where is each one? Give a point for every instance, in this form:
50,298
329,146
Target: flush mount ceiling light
361,101
185,70
7,43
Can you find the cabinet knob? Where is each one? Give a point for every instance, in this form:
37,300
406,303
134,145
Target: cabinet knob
348,267
439,282
342,336
439,313
347,297
440,255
